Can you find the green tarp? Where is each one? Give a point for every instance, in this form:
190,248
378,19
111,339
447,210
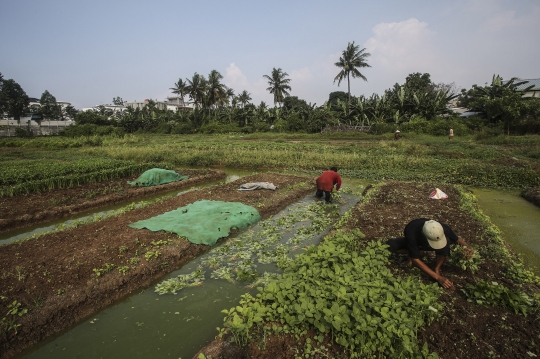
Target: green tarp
157,176
203,222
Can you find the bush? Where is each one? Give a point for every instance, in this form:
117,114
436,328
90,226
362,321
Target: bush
91,130
162,128
215,127
91,117
181,129
23,132
437,127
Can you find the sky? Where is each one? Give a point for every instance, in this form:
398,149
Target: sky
88,52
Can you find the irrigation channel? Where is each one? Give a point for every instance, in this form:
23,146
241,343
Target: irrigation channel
159,324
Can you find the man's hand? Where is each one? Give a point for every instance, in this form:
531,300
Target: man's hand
445,283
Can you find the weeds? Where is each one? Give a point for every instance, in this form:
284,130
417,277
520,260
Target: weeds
9,321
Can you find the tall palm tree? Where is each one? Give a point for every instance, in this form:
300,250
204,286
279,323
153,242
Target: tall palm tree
216,91
351,59
278,84
244,98
197,88
180,88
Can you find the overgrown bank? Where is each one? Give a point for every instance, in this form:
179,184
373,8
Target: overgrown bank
364,309
56,280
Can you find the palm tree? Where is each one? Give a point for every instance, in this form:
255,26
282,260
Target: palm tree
216,91
244,98
349,62
180,88
197,88
278,84
229,95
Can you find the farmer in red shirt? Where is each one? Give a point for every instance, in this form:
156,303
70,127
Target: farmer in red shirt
326,182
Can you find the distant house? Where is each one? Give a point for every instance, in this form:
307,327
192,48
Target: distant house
464,112
34,103
111,108
172,103
533,92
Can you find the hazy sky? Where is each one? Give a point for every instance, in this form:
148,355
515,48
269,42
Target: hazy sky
87,52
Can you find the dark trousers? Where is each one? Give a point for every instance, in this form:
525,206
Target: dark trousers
327,195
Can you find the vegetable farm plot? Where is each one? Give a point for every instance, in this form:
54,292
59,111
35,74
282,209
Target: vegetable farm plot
349,297
52,282
28,209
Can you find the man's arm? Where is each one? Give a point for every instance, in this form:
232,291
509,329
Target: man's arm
443,281
338,183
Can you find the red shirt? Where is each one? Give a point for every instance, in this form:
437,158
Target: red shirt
327,181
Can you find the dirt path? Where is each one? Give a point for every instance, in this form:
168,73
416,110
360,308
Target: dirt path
465,330
62,278
34,208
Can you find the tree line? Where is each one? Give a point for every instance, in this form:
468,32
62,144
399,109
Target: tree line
216,107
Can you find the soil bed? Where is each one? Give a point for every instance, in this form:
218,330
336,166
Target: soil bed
26,210
64,277
532,195
464,330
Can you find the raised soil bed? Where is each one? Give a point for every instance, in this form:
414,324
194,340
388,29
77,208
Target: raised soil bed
63,277
34,208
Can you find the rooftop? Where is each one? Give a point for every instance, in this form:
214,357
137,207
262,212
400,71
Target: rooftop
535,82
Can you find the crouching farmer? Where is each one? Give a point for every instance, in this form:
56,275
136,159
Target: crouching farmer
428,235
326,182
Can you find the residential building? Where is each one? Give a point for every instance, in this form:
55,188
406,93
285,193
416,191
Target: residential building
533,92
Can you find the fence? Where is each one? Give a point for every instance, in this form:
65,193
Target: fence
43,128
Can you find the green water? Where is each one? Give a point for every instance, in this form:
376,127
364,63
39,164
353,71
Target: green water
518,220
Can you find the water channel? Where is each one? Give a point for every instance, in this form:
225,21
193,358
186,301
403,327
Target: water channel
147,324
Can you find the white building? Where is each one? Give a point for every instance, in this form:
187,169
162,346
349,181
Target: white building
113,109
172,104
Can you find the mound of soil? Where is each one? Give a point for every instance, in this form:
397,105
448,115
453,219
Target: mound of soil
64,277
465,330
532,195
34,208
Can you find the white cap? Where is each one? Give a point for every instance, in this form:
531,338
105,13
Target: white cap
434,233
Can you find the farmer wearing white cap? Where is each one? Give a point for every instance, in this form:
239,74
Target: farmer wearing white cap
423,234
396,135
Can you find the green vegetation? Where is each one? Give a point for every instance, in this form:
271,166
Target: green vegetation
27,176
502,161
8,323
418,157
491,294
350,296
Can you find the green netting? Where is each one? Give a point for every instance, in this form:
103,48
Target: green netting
202,222
157,176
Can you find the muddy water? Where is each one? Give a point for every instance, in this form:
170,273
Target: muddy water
518,220
148,325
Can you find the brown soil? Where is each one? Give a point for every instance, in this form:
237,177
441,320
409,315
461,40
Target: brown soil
34,208
465,330
56,277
